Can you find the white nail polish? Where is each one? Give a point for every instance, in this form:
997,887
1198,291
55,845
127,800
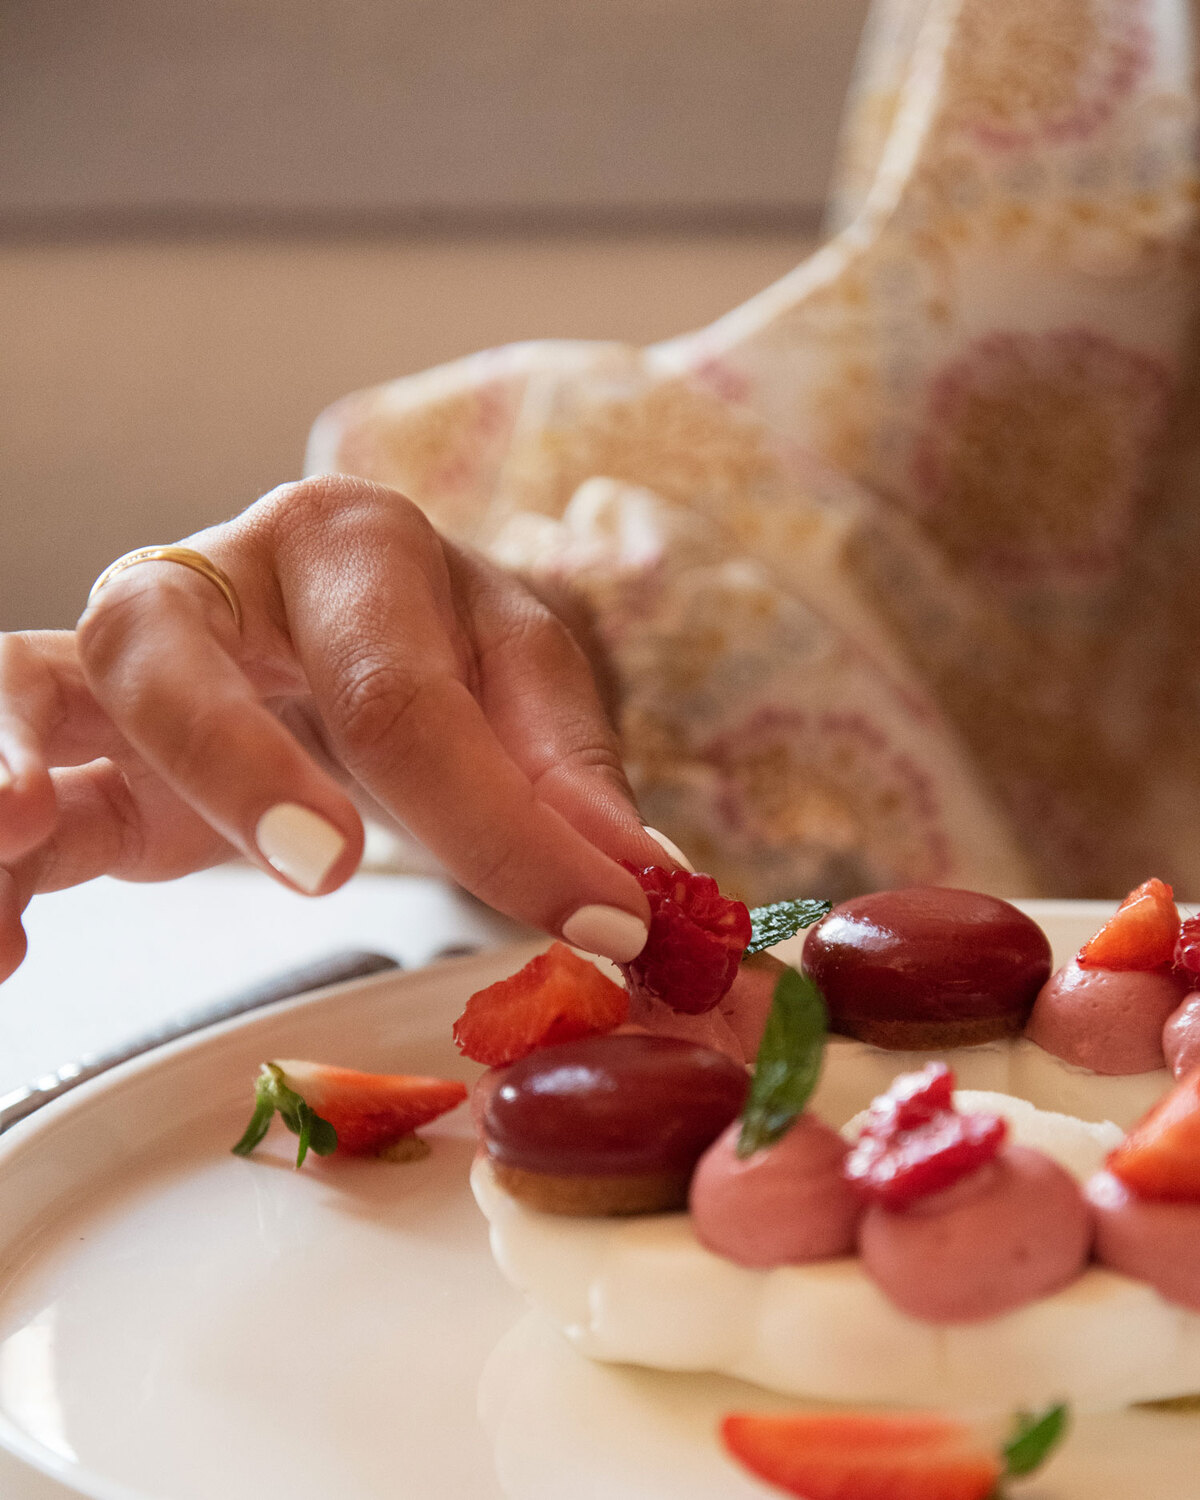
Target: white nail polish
674,852
299,843
606,930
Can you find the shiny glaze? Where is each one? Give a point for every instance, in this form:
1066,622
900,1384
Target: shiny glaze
613,1105
927,954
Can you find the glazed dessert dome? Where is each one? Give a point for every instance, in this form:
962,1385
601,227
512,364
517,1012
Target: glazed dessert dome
927,967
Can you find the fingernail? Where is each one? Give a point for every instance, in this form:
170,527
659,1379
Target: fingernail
674,852
6,777
299,843
606,930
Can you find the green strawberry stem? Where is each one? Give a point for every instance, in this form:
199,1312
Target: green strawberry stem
271,1094
1035,1436
788,1063
782,919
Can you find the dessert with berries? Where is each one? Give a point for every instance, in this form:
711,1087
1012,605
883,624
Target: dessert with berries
944,1246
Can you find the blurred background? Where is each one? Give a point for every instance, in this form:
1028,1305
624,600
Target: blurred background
215,219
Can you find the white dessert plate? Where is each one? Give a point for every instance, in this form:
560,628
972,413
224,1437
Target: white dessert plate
180,1324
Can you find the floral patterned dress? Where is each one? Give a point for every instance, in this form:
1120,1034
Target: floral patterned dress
897,564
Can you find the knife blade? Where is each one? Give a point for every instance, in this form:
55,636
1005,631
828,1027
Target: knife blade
337,968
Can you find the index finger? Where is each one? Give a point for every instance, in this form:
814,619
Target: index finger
374,619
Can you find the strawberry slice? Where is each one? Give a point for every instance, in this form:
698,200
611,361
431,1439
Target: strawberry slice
1141,933
861,1456
359,1114
556,997
915,1142
849,1455
696,942
1160,1157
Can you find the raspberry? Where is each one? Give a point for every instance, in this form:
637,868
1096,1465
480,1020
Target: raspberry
697,938
914,1144
1187,947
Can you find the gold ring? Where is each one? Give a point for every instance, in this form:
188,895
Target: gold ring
188,558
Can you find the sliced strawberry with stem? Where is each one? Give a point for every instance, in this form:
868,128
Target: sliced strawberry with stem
271,1094
850,1455
1160,1157
1141,933
331,1108
914,1141
697,939
556,997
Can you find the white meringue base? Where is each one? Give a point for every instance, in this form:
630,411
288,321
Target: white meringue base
855,1072
644,1291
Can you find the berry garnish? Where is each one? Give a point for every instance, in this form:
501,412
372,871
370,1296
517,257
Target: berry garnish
1187,948
913,1099
697,939
850,1455
556,997
1160,1157
1141,934
915,1142
341,1109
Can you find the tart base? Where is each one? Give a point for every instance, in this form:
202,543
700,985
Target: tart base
592,1196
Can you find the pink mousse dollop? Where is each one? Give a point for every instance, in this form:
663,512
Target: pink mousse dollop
1108,1020
782,1205
649,1016
1181,1037
1154,1242
734,1026
1014,1230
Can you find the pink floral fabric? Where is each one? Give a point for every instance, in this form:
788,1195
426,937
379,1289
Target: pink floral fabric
894,562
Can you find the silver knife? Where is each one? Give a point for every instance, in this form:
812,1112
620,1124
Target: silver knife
336,969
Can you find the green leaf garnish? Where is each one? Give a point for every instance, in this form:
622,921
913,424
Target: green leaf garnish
1035,1436
788,1062
272,1094
782,919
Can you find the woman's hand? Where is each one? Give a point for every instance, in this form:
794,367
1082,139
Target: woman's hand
374,655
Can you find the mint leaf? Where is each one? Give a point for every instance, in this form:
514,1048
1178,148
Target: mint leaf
1035,1436
782,919
788,1062
272,1094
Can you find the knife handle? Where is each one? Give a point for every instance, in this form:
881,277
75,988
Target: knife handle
337,968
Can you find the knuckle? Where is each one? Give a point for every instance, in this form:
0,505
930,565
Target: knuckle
527,631
375,709
329,504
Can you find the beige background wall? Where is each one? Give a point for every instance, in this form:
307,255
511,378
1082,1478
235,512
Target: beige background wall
146,389
216,218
